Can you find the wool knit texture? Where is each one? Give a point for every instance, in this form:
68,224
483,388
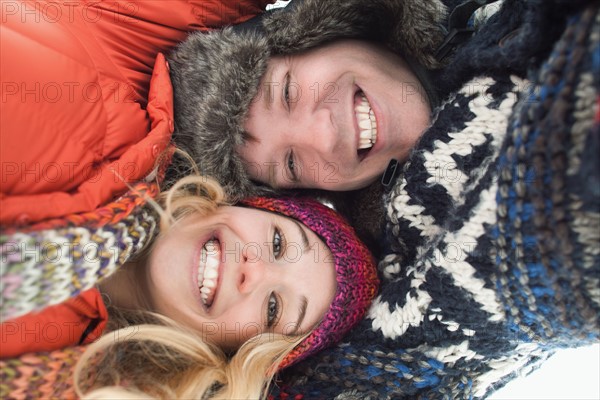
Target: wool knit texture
493,235
40,375
356,275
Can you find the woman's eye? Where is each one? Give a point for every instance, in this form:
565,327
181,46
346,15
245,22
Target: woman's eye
291,166
277,243
272,310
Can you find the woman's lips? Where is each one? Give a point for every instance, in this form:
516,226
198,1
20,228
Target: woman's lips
209,271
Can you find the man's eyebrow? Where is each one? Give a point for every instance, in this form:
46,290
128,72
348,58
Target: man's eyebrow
301,314
272,173
305,244
268,87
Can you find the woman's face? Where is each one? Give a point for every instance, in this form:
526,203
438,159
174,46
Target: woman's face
333,117
240,272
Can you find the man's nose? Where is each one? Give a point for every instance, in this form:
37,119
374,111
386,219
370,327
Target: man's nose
318,132
252,267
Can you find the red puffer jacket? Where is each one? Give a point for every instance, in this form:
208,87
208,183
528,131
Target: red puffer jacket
79,320
77,118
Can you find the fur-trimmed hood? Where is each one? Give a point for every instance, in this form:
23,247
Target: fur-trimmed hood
216,75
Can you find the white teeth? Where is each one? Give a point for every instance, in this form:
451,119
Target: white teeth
362,108
209,283
210,246
208,271
366,123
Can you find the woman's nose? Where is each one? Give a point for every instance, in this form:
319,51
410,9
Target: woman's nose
251,269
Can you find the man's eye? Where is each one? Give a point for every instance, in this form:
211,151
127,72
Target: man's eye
272,310
277,243
286,90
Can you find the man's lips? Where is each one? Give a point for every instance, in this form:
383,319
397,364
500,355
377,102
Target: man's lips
365,123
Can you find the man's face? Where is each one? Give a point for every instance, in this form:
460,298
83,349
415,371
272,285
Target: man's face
333,117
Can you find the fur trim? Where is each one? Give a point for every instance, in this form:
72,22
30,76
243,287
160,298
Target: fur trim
216,75
409,27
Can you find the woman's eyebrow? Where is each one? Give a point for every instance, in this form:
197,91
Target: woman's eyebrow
305,244
301,314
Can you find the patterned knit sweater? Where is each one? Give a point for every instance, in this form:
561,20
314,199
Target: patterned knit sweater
493,240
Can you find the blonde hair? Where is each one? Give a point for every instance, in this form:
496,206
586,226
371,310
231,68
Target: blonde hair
170,361
152,356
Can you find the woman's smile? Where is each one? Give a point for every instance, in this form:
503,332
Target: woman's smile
250,271
209,267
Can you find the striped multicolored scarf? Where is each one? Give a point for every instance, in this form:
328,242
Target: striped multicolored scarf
59,259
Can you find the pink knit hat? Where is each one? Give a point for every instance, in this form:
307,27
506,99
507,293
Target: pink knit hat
356,273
